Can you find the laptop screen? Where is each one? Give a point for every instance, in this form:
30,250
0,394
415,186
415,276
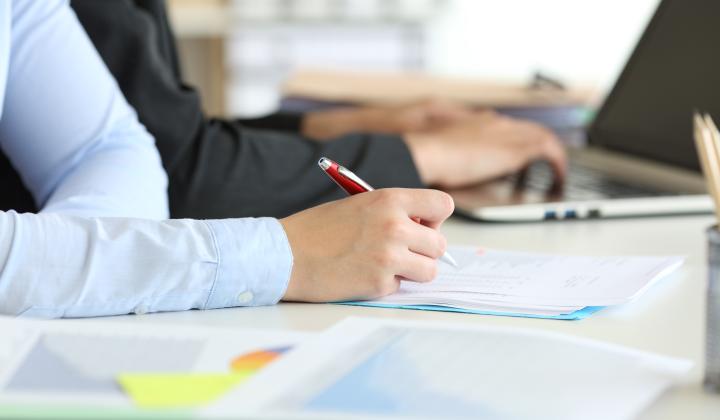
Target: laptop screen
674,70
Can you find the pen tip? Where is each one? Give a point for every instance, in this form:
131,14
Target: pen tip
449,260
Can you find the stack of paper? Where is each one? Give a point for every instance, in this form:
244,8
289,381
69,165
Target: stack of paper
528,284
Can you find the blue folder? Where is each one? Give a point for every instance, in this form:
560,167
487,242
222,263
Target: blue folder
574,316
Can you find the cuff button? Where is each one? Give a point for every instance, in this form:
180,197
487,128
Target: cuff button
245,297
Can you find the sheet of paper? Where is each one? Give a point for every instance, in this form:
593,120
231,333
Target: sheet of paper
16,338
71,361
474,302
510,312
374,367
478,306
530,279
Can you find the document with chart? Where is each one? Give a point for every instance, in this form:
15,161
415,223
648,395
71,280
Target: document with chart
367,368
96,363
530,284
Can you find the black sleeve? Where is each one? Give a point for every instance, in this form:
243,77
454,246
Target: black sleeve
219,168
280,121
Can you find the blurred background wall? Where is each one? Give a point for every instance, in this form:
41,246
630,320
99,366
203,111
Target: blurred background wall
240,51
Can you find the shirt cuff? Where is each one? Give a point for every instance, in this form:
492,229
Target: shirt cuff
254,262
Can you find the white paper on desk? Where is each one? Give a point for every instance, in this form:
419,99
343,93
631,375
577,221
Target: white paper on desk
77,362
382,368
540,279
461,300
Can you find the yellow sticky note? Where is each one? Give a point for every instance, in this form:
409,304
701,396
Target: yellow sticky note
152,390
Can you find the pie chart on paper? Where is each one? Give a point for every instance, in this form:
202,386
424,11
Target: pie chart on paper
254,361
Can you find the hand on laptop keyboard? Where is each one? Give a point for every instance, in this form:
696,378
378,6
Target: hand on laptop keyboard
584,183
481,148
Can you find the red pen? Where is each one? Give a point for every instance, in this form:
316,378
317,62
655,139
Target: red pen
353,184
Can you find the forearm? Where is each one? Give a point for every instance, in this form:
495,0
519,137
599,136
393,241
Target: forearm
60,266
237,172
336,122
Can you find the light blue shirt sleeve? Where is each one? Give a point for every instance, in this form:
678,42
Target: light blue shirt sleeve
63,266
81,151
65,125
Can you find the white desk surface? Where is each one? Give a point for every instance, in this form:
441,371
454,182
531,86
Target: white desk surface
669,319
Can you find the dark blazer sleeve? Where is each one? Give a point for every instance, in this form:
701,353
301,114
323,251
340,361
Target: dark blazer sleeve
220,168
282,121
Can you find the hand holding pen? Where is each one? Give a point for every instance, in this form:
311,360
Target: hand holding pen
364,246
352,184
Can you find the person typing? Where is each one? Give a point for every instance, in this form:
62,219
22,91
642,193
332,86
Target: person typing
226,167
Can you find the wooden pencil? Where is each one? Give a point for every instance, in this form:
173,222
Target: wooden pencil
708,150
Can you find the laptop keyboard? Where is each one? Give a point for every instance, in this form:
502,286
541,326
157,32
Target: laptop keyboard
584,183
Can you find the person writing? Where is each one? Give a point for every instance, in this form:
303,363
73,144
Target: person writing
101,244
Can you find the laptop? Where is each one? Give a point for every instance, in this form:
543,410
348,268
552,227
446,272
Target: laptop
640,158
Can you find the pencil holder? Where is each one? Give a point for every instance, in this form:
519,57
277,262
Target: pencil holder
712,349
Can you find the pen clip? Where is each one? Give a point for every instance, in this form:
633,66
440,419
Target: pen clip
354,178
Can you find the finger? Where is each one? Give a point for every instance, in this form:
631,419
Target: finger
425,241
555,154
431,206
417,268
547,147
521,180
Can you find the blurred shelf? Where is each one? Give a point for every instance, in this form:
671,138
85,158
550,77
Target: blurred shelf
221,39
196,18
199,19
